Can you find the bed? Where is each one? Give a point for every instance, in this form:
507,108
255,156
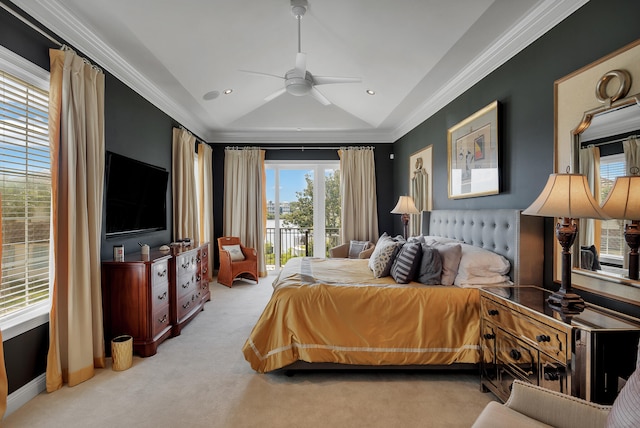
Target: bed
335,313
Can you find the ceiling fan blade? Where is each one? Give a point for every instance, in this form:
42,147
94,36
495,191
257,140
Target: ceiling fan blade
301,64
325,80
318,96
276,94
261,74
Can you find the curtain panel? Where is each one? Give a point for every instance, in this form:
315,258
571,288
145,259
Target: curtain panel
590,229
77,148
205,189
245,204
359,204
185,211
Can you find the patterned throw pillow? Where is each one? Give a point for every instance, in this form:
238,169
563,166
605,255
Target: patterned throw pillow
235,252
625,412
383,256
356,247
406,263
430,268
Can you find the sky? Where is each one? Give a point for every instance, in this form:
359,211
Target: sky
291,181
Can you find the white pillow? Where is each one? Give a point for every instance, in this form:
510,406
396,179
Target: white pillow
480,266
235,252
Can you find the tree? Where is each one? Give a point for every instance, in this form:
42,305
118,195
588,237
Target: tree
301,214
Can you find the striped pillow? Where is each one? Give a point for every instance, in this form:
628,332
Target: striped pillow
406,263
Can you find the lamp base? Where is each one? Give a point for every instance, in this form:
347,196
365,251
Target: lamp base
632,236
567,303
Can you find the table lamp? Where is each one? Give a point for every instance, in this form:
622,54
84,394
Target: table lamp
568,197
623,202
405,206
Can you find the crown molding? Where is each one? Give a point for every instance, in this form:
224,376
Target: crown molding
544,17
56,17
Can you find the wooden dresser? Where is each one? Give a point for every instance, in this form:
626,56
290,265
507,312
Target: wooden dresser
151,298
588,356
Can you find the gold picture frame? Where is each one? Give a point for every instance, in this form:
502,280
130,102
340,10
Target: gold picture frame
472,151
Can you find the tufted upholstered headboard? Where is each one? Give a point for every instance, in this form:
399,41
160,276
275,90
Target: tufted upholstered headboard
519,238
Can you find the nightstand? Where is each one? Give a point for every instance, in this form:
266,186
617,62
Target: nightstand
588,356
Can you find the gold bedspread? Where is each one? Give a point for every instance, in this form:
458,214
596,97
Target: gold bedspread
333,310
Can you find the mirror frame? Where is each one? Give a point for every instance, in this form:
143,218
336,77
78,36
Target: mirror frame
575,103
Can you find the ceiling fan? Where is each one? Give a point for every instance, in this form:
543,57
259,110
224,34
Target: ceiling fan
299,81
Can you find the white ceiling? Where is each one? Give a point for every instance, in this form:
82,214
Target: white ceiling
417,55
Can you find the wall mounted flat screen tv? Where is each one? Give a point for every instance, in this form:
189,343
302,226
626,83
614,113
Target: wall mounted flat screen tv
136,196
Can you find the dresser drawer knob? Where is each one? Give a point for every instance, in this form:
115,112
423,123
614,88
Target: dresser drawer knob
543,338
515,354
493,312
489,336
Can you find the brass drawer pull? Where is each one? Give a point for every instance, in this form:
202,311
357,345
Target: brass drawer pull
543,338
493,312
163,273
162,296
186,305
186,285
163,319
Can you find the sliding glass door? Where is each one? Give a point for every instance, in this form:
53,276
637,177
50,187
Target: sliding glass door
303,210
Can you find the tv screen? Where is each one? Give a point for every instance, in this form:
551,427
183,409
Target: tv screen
136,196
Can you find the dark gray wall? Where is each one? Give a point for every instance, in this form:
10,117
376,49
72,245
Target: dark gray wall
524,88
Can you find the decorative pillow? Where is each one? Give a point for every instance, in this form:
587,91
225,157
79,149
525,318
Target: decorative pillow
406,263
430,268
451,253
381,242
383,257
234,252
418,238
481,266
356,247
625,412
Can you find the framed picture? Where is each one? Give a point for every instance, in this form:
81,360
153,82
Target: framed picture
472,149
420,185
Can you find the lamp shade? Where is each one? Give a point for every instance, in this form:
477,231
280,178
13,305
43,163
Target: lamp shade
566,195
623,201
405,205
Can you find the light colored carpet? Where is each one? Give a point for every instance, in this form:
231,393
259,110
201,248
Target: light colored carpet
200,379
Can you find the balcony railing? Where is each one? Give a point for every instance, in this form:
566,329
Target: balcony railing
295,242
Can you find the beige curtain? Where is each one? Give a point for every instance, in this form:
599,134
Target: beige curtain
205,178
76,134
589,231
185,211
4,386
631,149
245,204
359,205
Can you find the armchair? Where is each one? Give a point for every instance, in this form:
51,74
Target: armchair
236,261
353,249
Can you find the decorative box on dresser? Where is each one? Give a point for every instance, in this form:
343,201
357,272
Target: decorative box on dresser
190,283
136,300
152,297
589,355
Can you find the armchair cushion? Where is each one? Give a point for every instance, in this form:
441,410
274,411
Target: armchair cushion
343,251
356,247
235,252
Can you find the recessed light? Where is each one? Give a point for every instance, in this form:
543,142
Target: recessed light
371,92
228,91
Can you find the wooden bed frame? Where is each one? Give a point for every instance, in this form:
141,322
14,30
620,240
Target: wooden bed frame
507,232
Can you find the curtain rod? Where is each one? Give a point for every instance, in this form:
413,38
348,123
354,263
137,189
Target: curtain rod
31,24
303,148
604,143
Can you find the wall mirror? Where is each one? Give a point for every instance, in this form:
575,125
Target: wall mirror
594,115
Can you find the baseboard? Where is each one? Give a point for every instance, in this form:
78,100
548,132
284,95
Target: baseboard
20,397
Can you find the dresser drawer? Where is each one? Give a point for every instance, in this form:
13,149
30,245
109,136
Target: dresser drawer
185,284
186,304
186,263
160,273
545,337
160,321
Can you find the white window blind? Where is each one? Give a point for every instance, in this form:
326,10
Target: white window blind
612,243
25,187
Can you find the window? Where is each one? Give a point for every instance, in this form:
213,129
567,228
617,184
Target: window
612,243
25,188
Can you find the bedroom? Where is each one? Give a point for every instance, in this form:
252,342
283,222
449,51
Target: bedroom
524,85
